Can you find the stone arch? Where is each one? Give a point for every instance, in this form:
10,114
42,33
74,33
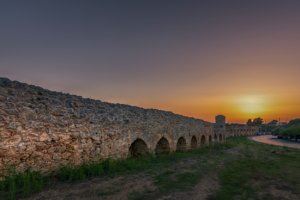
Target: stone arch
138,148
194,142
203,140
210,139
181,144
216,138
162,146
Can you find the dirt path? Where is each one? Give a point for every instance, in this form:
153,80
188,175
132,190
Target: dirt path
270,139
117,188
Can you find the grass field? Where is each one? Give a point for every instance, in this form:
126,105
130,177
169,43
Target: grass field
237,169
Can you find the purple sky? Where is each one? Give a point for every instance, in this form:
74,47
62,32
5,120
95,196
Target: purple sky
186,56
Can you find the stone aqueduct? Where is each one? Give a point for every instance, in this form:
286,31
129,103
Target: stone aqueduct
44,130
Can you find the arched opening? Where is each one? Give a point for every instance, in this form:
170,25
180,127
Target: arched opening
162,146
210,139
138,148
220,138
193,143
216,138
181,144
203,140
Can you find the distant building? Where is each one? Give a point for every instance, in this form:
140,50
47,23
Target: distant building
220,120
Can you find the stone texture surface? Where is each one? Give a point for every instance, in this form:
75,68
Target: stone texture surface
44,130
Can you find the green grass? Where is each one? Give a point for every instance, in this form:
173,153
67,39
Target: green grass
245,170
21,185
260,168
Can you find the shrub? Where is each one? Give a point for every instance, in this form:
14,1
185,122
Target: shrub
292,131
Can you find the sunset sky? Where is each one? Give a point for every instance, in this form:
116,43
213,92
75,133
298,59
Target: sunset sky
196,58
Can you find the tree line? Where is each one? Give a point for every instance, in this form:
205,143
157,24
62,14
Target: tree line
289,131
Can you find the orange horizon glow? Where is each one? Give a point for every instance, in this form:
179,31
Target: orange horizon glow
237,108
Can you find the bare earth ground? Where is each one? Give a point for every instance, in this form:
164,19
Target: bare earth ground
99,188
217,173
131,186
270,139
121,187
202,190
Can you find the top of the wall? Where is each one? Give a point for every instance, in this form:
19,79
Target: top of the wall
84,106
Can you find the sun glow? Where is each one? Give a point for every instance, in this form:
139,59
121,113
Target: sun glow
252,104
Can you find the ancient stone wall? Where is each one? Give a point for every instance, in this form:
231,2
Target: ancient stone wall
241,130
44,130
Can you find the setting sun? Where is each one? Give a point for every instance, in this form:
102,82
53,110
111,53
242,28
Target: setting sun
252,104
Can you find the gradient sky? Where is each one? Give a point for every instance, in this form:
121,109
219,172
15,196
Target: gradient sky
196,58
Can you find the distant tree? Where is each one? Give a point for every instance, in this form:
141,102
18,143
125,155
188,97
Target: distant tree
276,131
289,131
257,121
294,122
270,126
249,122
292,132
273,123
